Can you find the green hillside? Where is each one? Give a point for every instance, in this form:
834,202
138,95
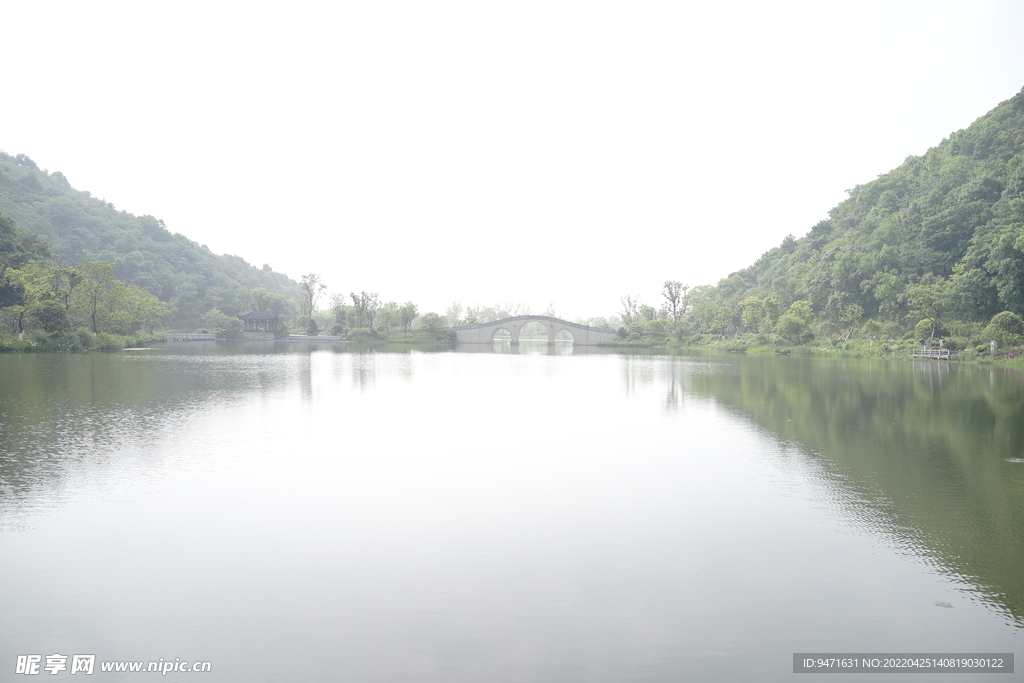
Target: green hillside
940,238
957,212
180,272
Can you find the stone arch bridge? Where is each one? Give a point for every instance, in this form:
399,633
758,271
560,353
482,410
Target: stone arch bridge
483,333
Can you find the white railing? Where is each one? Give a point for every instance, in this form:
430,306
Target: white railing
191,337
937,354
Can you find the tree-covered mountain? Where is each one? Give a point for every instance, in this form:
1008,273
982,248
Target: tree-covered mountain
941,236
77,226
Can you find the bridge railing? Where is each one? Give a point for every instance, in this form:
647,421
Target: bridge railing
532,318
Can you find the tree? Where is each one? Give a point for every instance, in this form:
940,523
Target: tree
311,288
795,323
23,160
144,310
850,314
51,316
406,314
262,299
723,319
630,309
705,308
387,317
127,308
454,314
770,306
752,313
365,306
802,309
433,323
931,299
65,280
675,295
96,287
28,287
792,328
337,307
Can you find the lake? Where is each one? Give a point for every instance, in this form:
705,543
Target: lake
294,514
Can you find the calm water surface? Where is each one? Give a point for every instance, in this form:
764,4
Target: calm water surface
315,515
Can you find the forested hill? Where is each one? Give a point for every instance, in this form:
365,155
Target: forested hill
951,221
177,270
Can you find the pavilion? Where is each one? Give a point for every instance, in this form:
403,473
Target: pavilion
257,321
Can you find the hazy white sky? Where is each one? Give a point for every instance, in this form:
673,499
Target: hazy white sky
491,152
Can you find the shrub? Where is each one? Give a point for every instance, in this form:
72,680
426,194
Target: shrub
363,335
870,329
225,326
734,346
52,316
84,337
1007,328
65,341
432,322
108,342
658,326
14,345
1009,321
639,328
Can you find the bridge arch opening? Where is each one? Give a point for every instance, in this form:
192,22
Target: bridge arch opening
564,335
533,331
502,336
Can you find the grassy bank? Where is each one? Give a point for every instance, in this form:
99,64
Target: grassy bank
960,350
421,336
73,342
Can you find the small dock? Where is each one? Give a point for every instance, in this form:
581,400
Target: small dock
933,354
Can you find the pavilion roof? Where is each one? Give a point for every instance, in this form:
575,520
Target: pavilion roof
259,315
